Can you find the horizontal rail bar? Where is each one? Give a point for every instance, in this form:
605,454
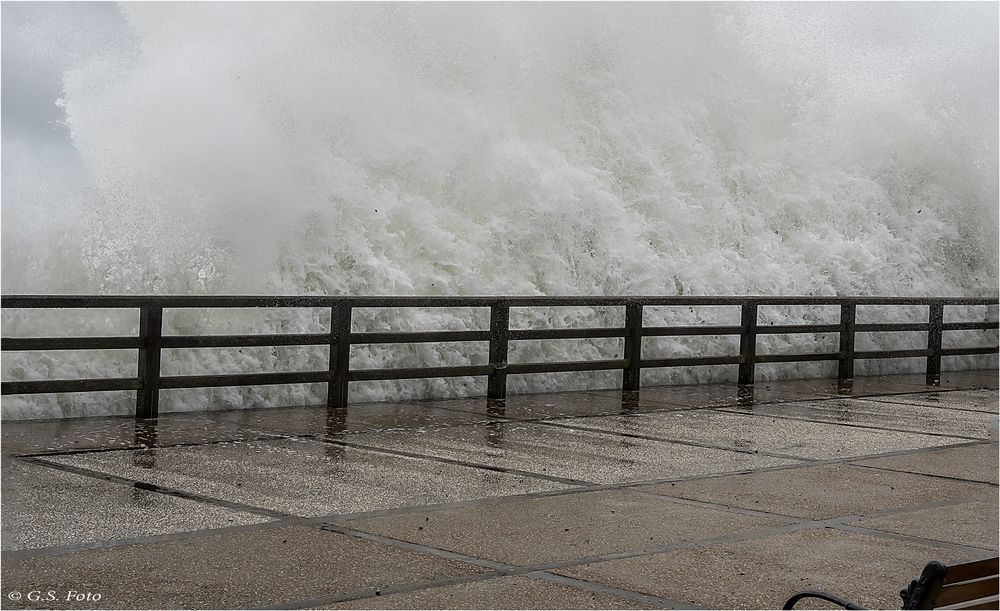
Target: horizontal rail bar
69,343
961,326
798,358
524,334
685,361
690,330
409,373
406,337
923,300
151,342
975,350
173,301
923,326
245,379
237,341
776,329
516,368
892,354
204,301
893,326
9,344
317,301
29,387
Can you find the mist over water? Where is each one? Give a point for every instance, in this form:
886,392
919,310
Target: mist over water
530,149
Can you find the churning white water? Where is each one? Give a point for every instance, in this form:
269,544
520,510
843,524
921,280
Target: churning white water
530,149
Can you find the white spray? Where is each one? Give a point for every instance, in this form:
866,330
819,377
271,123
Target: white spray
531,149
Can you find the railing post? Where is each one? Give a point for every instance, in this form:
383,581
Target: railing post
340,355
748,342
499,337
633,347
147,398
935,319
848,318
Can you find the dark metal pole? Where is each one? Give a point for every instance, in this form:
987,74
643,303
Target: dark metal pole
748,342
499,338
935,318
848,318
150,329
340,355
633,347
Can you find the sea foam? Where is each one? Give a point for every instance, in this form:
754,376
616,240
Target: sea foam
514,148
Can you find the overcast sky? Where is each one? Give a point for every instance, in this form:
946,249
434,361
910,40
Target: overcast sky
40,42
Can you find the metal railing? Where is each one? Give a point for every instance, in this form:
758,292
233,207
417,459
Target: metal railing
150,340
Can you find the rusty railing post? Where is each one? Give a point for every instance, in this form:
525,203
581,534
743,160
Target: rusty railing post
340,355
748,342
845,370
633,347
147,398
935,319
499,337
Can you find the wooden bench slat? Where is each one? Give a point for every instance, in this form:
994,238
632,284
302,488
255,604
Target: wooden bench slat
972,570
968,590
990,602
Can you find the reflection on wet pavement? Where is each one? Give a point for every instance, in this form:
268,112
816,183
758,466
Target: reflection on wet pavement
308,478
217,469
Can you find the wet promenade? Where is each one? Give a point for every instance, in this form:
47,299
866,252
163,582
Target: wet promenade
682,497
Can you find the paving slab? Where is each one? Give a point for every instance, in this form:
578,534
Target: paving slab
193,428
977,462
46,507
514,592
858,387
361,417
896,416
762,573
821,492
571,454
528,531
889,384
976,378
965,379
976,400
32,436
308,478
808,440
899,382
253,569
973,524
719,395
556,405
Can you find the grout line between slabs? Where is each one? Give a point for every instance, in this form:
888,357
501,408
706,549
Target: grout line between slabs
948,477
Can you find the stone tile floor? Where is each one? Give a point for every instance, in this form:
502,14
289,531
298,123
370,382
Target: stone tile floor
682,497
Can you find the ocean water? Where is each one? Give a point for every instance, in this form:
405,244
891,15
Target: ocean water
526,149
